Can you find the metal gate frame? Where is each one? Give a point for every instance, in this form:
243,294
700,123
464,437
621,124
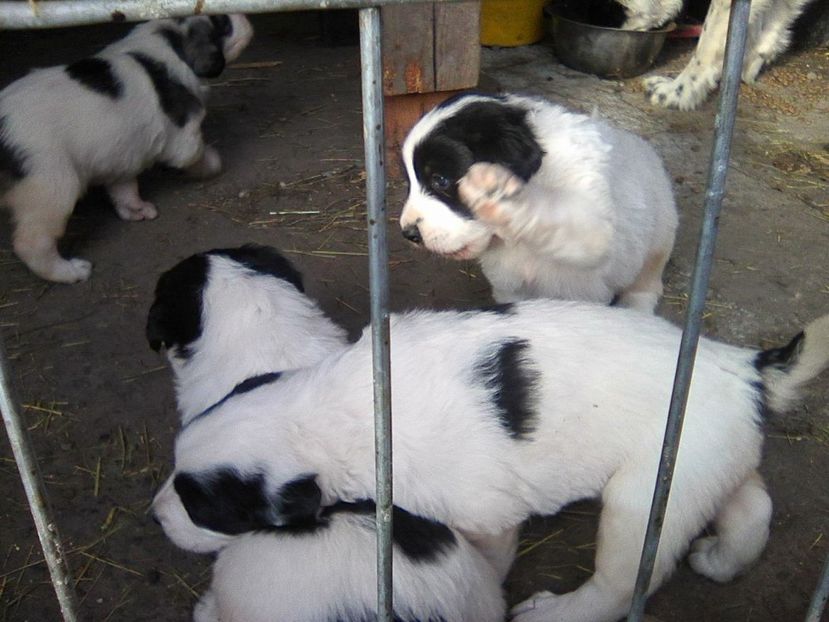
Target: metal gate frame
31,15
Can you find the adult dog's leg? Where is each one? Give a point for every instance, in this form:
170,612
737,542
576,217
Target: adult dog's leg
702,74
41,206
742,529
128,203
773,38
648,14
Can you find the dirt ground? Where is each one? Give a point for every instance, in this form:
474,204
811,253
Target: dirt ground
99,402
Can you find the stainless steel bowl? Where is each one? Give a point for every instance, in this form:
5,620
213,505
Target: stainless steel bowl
605,52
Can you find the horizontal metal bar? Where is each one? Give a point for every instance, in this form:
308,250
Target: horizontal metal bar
56,13
721,152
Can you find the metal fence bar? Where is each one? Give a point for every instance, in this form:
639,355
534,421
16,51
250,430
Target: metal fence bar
24,457
820,596
373,140
54,13
718,168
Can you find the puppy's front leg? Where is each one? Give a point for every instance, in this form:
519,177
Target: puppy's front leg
128,203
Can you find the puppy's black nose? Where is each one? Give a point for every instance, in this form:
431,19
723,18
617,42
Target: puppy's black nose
412,233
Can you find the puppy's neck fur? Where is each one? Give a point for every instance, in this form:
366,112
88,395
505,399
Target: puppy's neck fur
252,324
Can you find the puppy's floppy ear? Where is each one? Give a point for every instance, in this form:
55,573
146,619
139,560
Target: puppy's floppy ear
233,503
498,132
175,316
203,48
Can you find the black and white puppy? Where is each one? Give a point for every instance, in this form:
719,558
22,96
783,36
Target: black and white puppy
553,204
231,319
103,120
504,413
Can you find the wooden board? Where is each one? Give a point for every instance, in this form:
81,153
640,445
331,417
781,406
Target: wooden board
408,49
457,45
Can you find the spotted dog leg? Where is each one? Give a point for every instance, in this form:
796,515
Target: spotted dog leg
487,190
774,37
702,74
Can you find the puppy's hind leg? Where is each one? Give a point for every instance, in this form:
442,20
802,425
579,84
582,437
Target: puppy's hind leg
742,529
128,203
41,206
206,610
606,596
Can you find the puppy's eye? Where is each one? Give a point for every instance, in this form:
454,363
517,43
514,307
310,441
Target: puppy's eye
439,182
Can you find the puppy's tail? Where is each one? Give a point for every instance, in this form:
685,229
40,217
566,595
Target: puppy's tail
785,370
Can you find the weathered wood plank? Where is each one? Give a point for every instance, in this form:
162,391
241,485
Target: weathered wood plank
408,49
457,45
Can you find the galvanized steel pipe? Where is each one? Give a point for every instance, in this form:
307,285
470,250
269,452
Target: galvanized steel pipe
721,152
820,596
24,457
55,13
378,274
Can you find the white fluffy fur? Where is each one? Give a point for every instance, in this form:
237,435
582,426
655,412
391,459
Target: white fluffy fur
603,394
769,35
252,324
597,219
71,137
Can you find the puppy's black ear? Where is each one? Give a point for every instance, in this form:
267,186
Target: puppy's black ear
230,502
203,49
175,316
495,131
300,501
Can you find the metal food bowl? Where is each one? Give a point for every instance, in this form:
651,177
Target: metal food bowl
606,52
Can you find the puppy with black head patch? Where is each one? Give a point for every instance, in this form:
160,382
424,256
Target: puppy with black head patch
231,321
101,121
507,412
553,204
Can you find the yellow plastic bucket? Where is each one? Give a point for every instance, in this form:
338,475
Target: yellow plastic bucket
508,23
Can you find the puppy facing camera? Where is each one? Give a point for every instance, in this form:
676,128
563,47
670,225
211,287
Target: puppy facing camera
102,121
553,204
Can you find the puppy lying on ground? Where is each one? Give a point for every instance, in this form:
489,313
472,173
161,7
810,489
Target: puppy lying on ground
504,413
553,204
103,120
230,319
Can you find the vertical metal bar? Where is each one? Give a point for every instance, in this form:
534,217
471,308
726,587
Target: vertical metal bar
820,596
721,152
371,58
35,493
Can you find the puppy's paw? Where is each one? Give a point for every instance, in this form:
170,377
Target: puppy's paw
68,271
209,165
540,607
136,209
685,92
486,189
708,559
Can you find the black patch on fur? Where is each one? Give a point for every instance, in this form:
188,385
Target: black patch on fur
174,39
247,385
420,539
204,45
177,101
511,380
230,502
12,157
780,358
175,318
482,131
96,75
264,260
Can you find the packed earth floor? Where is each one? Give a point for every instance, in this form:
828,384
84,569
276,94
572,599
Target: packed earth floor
99,403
